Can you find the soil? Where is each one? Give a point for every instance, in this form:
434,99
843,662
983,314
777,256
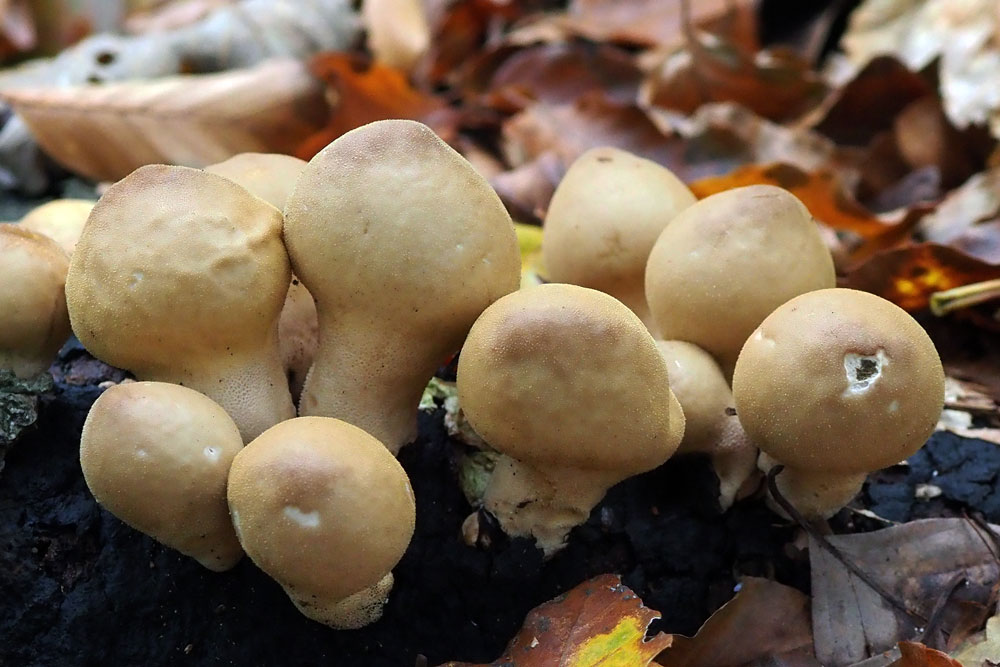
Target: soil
81,588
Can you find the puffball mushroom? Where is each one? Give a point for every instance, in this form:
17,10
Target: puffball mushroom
272,177
604,218
33,319
722,265
179,277
327,511
710,423
834,384
403,245
157,456
62,220
568,384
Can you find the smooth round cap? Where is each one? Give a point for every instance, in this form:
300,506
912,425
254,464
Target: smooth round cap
33,319
62,220
722,265
321,506
157,456
270,176
568,376
420,241
702,390
839,380
177,266
604,219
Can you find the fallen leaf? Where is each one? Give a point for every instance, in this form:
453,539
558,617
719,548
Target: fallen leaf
982,650
914,654
527,190
977,200
913,561
925,137
908,276
105,132
171,15
599,623
764,620
460,34
361,92
529,240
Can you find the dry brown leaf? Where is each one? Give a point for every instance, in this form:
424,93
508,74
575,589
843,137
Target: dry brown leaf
914,654
460,34
915,562
105,132
599,623
977,200
527,190
907,276
765,620
361,92
982,650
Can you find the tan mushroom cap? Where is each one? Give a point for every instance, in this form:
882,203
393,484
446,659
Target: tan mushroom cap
62,220
272,177
157,456
326,510
840,381
721,266
33,319
604,219
421,244
704,394
179,276
568,376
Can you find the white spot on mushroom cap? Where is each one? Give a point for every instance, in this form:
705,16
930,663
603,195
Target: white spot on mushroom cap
863,371
304,519
141,453
211,453
894,407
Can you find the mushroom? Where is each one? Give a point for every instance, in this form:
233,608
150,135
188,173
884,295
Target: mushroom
327,511
157,456
62,220
403,245
568,384
604,219
33,319
710,423
398,31
834,384
721,266
272,177
179,277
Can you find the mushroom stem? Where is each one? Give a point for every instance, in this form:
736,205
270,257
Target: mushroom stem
734,461
816,495
544,504
376,387
957,298
355,611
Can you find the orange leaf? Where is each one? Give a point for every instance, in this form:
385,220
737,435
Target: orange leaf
915,654
600,623
361,92
908,276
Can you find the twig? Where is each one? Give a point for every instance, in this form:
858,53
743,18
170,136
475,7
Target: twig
938,612
796,516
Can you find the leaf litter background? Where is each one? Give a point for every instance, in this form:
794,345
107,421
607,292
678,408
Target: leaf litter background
883,117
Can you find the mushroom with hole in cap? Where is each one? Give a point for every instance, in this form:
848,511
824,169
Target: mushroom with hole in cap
721,266
403,245
33,319
157,456
327,511
568,384
833,385
272,177
604,219
180,276
710,423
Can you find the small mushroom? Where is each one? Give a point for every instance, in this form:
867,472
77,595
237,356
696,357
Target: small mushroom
272,177
403,245
179,277
327,511
567,383
62,220
604,219
157,456
834,384
33,319
710,423
721,266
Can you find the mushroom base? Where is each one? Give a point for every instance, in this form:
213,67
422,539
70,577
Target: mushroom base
816,495
734,461
355,611
546,505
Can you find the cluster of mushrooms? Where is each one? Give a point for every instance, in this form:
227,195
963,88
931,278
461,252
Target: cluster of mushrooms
234,292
